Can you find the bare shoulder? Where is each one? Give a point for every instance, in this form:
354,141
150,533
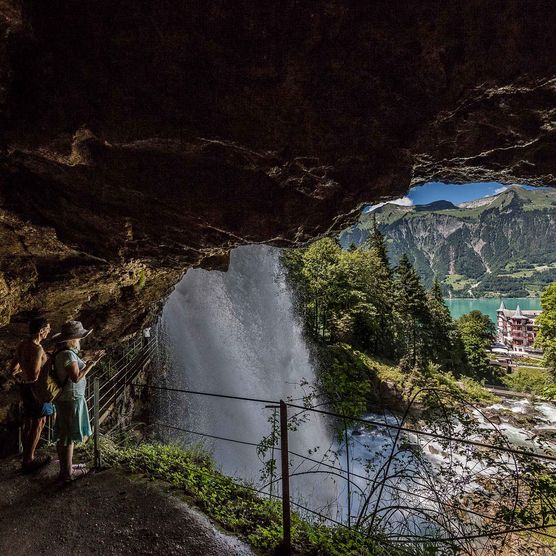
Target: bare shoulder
27,347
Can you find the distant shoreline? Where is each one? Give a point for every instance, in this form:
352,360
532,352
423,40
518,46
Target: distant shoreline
498,297
489,305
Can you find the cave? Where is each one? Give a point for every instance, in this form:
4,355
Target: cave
140,140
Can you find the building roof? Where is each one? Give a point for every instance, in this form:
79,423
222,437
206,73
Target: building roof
508,313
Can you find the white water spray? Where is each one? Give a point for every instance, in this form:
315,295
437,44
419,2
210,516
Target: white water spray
235,333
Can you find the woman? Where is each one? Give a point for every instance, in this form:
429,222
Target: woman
72,421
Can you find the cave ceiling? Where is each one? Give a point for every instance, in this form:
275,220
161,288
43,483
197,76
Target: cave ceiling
141,138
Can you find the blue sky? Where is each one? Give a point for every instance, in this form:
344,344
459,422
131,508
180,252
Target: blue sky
454,192
457,193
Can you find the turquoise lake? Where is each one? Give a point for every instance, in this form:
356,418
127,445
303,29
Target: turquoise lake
489,306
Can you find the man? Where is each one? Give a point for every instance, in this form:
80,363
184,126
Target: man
26,366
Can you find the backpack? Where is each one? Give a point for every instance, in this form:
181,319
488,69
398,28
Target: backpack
48,386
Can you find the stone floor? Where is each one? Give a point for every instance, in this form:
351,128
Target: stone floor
104,513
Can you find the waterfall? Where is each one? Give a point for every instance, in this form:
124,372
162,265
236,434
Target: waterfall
236,333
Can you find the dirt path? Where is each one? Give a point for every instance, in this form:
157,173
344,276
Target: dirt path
105,513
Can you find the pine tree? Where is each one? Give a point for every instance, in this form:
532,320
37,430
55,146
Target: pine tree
383,278
377,243
446,345
436,293
412,315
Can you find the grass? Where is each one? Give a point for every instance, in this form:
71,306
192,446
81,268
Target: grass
534,380
351,380
463,213
532,361
458,282
516,272
235,506
142,280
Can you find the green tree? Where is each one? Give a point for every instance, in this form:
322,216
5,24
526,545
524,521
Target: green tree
320,272
377,243
344,295
546,322
384,298
364,301
412,315
477,332
446,345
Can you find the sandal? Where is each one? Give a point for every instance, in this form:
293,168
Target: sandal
80,466
77,471
37,463
80,472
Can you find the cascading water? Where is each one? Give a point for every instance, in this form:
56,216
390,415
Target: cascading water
235,333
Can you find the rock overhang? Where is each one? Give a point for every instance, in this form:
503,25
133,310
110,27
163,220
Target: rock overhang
141,139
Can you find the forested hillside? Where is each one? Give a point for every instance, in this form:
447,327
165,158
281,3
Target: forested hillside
372,320
500,245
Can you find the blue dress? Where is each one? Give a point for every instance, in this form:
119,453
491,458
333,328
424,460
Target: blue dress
72,419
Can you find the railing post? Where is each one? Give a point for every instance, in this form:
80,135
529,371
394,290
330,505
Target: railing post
96,422
286,547
272,460
348,474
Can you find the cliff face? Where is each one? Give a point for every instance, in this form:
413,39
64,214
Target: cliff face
141,138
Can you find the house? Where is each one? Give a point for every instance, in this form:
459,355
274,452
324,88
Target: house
516,329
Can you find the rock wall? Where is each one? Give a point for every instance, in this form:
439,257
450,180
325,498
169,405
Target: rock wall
141,138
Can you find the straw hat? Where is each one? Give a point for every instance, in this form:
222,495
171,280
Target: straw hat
71,330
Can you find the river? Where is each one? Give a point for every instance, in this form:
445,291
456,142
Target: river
489,306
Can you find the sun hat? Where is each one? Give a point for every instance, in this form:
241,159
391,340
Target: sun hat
71,330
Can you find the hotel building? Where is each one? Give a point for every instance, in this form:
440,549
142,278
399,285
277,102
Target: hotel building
516,329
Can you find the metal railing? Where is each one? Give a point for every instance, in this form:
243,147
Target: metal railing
109,379
396,495
378,491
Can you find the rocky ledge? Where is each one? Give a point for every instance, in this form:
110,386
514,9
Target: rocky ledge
142,138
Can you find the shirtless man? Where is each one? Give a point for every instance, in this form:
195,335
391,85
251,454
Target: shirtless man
26,365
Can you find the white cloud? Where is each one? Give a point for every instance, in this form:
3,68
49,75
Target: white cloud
402,201
370,208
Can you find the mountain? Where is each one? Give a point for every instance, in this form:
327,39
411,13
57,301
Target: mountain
500,245
436,205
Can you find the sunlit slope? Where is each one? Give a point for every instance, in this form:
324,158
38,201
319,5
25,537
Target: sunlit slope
499,245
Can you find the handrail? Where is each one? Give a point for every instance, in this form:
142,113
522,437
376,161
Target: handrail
112,387
468,530
365,422
129,367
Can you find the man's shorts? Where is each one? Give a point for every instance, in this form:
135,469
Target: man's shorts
33,408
